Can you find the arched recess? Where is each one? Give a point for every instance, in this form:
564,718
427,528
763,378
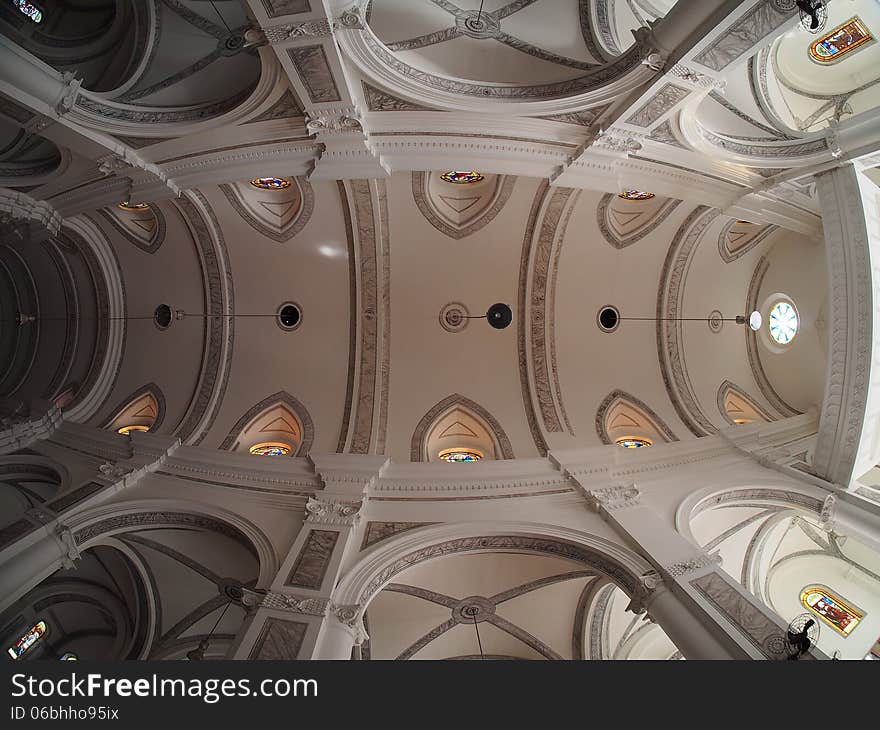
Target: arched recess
277,214
144,227
26,483
97,610
738,237
379,566
143,408
459,210
459,422
279,418
624,222
737,407
623,416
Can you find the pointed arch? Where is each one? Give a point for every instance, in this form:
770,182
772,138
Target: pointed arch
280,417
624,222
459,422
622,415
144,407
460,210
738,237
144,227
737,407
277,214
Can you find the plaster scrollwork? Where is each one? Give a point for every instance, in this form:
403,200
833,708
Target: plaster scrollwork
295,604
826,516
293,31
617,141
114,472
69,549
645,587
351,616
111,164
68,96
692,565
351,19
615,498
341,120
327,512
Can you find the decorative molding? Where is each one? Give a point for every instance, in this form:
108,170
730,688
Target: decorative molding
277,34
114,472
379,100
156,239
417,443
282,397
311,564
666,97
606,227
314,71
286,107
454,317
151,388
377,531
18,206
729,254
295,604
278,8
279,640
324,511
281,234
335,120
619,395
615,498
686,567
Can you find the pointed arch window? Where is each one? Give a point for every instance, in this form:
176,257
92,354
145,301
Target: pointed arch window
843,40
838,613
626,421
28,640
143,411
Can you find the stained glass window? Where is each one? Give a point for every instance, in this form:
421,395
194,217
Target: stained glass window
844,39
69,657
36,632
831,608
459,456
462,177
125,430
29,9
126,205
783,323
271,448
270,183
635,195
633,443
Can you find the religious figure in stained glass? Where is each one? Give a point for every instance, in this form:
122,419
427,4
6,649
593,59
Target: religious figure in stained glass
270,183
27,641
842,40
29,9
633,443
459,456
270,449
462,177
635,195
832,609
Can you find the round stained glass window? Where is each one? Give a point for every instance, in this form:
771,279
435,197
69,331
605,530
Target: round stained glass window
126,205
125,430
635,195
633,443
462,177
272,448
69,657
783,323
270,183
459,456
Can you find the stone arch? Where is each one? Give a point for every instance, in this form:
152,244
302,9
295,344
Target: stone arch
625,222
737,407
144,407
483,427
621,415
279,417
458,211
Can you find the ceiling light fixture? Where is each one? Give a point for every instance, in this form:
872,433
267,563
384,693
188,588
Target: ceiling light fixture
609,318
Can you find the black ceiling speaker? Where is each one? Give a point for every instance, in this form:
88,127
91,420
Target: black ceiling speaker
499,316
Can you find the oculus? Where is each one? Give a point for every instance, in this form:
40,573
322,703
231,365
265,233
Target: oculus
635,195
844,39
608,318
270,183
831,608
462,177
458,456
29,9
125,430
271,448
783,323
27,641
289,316
633,443
126,205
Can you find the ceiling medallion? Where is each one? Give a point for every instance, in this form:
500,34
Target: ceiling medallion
454,317
126,205
462,177
459,456
716,321
270,183
481,26
635,195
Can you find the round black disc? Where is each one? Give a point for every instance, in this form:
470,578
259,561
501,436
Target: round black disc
162,316
499,316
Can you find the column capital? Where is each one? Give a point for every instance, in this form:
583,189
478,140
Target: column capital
329,510
648,586
352,618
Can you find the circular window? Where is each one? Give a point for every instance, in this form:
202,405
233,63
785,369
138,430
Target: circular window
271,448
462,177
633,443
608,318
459,456
783,322
289,316
162,316
270,183
125,430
